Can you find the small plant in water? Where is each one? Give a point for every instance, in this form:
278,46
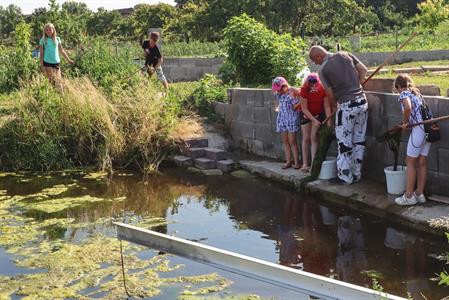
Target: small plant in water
379,288
393,139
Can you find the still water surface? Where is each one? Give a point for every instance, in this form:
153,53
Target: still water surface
248,216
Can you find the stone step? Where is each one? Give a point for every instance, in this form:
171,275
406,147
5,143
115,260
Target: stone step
194,152
205,163
227,165
182,161
408,70
381,71
212,172
435,68
216,154
196,143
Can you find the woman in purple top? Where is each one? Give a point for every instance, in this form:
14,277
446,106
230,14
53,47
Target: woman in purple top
287,122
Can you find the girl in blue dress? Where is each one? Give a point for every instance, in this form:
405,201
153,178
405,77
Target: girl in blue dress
287,122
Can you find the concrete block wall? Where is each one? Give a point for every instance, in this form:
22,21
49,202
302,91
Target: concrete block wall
251,120
190,69
376,58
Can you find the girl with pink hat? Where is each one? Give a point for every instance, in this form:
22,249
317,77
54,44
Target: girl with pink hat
287,122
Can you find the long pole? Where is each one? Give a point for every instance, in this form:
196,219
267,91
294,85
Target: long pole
397,127
390,57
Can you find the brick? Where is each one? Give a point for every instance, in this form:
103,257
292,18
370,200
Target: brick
194,152
228,165
212,172
182,161
220,108
243,130
443,110
256,147
381,85
265,132
245,114
262,115
443,161
216,154
196,142
205,163
429,89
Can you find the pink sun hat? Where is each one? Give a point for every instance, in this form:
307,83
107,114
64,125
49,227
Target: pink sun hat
277,84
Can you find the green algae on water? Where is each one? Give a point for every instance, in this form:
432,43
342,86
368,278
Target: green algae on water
96,175
10,174
60,204
85,268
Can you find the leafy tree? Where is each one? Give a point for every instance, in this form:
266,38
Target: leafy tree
259,54
152,16
75,8
340,17
184,26
70,21
432,13
9,18
103,22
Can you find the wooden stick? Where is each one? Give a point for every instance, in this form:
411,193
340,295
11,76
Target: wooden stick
389,57
397,127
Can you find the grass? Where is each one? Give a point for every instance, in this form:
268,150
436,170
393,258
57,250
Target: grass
45,130
178,49
441,80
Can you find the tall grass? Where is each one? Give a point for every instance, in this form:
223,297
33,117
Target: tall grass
47,130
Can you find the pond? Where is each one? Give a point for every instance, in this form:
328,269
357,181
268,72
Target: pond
57,240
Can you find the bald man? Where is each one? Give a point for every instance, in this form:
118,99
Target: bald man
341,74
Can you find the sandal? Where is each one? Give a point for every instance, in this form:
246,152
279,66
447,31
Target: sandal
305,169
287,165
297,167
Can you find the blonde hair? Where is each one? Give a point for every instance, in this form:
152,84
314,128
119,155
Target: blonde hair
405,81
44,34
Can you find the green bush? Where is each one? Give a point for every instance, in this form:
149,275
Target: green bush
112,71
260,54
16,63
210,89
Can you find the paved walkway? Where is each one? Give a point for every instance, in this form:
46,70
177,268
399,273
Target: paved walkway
367,196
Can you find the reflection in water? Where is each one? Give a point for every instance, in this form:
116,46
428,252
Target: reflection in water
255,218
351,260
413,256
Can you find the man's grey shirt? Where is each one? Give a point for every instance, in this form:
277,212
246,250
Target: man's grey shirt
338,72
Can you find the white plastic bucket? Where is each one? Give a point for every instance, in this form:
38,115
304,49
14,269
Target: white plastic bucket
396,180
328,169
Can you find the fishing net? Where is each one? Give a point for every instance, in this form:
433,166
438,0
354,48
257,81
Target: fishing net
326,136
393,139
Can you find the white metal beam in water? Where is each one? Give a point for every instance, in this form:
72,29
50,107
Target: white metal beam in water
296,280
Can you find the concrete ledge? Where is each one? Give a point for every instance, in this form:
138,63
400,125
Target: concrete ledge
366,196
274,171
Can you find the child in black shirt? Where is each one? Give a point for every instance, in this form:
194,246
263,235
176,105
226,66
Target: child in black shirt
153,58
